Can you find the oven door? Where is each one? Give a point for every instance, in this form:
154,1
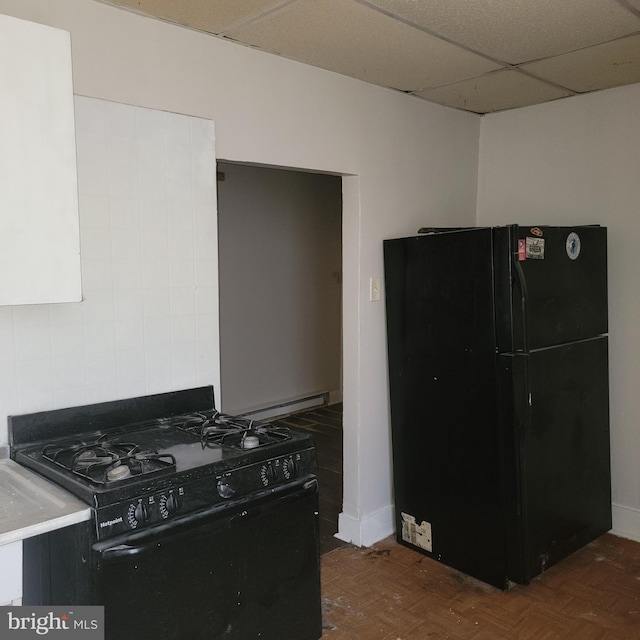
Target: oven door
250,571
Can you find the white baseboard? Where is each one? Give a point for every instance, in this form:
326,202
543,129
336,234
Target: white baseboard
294,405
287,408
366,531
626,522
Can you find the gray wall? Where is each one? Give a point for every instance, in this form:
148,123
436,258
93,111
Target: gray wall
279,235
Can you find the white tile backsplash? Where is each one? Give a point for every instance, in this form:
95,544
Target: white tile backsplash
183,301
182,272
148,321
177,129
69,372
183,329
157,331
150,125
206,300
101,367
94,212
125,214
93,180
91,116
67,339
128,303
70,397
129,333
153,213
121,119
7,345
97,275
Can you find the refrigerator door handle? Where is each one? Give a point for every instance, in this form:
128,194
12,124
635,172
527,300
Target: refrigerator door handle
524,300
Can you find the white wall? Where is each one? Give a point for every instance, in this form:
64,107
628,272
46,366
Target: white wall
409,163
148,322
577,161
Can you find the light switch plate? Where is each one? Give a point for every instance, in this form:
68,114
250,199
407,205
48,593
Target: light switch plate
374,289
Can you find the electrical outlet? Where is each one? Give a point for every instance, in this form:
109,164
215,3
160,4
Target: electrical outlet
374,289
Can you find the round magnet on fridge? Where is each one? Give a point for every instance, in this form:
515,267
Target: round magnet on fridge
573,245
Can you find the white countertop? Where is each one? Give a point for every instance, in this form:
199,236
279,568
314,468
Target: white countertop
31,505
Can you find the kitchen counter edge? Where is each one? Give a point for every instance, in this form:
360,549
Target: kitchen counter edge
31,505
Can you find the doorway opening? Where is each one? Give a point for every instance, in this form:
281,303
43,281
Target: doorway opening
280,279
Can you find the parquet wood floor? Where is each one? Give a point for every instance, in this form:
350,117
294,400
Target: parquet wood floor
390,592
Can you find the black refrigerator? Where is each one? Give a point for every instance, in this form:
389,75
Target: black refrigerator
498,381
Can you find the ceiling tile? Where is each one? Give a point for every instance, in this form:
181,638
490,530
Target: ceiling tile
506,89
214,16
600,67
347,37
519,30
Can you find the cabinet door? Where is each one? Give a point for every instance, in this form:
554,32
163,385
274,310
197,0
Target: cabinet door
11,563
39,226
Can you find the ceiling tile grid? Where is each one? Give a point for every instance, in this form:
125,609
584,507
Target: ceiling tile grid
347,37
204,15
516,31
476,55
603,66
504,89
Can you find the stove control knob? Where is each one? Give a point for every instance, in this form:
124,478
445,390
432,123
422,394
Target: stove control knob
172,504
140,513
268,474
225,488
169,505
289,468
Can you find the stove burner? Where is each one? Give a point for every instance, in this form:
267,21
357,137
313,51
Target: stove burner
103,460
118,473
259,436
85,458
250,442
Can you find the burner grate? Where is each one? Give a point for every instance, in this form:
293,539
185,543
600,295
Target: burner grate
230,431
103,461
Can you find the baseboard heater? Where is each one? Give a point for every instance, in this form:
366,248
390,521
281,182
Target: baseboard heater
286,408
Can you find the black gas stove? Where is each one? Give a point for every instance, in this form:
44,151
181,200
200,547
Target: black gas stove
150,470
204,525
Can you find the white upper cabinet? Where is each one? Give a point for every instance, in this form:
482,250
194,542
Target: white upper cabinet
39,224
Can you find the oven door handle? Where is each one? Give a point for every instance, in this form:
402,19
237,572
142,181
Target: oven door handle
200,524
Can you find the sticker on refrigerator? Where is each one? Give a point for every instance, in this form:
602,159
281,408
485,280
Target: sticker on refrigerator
573,245
522,250
416,534
535,248
536,231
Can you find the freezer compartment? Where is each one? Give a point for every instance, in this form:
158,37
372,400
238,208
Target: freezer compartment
557,465
555,295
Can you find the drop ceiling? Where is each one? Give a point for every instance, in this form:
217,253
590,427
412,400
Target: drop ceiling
476,55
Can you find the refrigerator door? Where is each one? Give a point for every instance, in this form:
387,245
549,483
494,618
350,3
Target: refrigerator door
556,426
444,413
551,285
